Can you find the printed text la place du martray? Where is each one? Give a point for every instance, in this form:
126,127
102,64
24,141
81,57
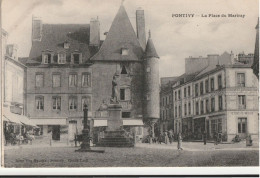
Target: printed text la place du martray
208,15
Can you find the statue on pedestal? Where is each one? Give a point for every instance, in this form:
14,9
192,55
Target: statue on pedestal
114,97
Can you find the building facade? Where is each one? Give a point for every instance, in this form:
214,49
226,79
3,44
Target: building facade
69,65
219,98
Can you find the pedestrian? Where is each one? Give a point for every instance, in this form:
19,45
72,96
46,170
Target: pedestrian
215,138
170,136
165,137
205,137
179,145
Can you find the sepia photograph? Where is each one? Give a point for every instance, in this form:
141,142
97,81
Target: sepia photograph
129,83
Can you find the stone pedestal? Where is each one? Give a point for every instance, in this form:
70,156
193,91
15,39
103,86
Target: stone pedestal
114,121
115,135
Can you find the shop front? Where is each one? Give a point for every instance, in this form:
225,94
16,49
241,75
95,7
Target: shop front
199,127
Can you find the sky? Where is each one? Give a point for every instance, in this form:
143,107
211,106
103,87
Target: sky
175,38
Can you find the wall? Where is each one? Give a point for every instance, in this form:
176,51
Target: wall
103,73
14,82
64,91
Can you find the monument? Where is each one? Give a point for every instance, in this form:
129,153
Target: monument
115,135
85,145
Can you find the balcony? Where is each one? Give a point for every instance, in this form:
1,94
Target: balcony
126,105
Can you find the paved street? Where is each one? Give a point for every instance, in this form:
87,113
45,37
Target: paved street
141,155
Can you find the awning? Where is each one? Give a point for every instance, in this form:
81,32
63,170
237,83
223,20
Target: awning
49,121
18,119
26,121
100,123
133,122
14,118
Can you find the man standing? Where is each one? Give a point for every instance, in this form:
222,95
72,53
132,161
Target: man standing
205,138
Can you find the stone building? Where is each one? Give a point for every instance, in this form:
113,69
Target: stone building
221,97
166,104
69,65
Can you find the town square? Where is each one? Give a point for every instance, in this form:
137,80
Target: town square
128,86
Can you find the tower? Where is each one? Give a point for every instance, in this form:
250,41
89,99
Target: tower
151,84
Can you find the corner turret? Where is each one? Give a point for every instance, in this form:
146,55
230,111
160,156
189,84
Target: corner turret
151,84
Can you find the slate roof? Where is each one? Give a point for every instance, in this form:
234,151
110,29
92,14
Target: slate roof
150,49
121,35
54,36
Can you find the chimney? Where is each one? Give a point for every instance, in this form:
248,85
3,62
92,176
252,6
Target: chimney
94,39
36,29
232,58
140,27
11,51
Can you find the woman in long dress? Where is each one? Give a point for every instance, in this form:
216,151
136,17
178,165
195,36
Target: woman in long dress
179,146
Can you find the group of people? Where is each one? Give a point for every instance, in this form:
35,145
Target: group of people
13,138
167,137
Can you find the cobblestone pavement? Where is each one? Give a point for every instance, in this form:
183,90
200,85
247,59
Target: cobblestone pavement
147,155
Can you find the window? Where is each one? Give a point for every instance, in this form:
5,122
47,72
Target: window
212,88
148,69
188,90
185,92
185,109
189,106
124,51
216,126
197,108
201,88
126,114
179,93
56,80
175,95
207,106
175,111
72,80
86,80
39,101
86,100
179,111
123,71
39,80
46,58
241,79
62,58
122,94
56,103
76,57
241,102
242,124
201,107
212,104
73,103
219,82
220,104
66,45
206,86
196,89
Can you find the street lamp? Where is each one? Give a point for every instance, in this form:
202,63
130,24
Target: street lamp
85,146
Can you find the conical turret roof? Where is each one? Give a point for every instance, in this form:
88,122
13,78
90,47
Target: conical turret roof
121,35
150,49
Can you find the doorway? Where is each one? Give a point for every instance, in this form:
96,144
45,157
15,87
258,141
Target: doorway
56,132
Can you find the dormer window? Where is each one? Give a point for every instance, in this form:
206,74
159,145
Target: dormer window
66,45
62,58
76,58
47,57
124,51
